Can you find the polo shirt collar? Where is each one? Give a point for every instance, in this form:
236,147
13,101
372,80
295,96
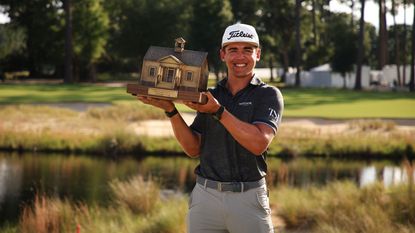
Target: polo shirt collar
256,81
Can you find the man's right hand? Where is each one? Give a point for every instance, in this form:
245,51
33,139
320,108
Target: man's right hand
166,105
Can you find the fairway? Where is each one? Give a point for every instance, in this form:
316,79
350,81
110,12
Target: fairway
61,93
357,109
324,103
346,104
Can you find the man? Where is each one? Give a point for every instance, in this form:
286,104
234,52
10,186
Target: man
230,134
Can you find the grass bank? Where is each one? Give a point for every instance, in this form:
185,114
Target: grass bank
96,131
362,139
110,131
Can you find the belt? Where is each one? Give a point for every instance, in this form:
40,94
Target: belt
229,186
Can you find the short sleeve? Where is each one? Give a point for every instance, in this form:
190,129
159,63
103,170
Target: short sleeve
198,123
269,106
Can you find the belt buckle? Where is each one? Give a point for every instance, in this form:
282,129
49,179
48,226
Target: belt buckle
220,186
236,186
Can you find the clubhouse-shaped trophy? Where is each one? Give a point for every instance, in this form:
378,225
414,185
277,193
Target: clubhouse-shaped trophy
173,73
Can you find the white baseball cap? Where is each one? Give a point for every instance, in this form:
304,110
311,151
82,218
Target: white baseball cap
240,33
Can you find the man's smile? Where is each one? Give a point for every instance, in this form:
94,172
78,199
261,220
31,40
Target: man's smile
240,64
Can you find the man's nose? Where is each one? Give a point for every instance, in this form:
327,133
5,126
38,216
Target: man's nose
239,54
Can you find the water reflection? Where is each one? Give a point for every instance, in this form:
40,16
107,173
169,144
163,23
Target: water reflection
306,172
393,175
368,176
11,176
85,179
77,178
389,175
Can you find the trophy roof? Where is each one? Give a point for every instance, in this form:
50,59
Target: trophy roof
188,57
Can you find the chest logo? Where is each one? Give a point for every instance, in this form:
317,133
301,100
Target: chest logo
245,103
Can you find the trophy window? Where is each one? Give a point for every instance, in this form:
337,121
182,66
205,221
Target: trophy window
152,72
189,76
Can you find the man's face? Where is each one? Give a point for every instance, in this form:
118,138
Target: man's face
240,58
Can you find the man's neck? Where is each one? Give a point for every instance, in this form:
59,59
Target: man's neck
234,85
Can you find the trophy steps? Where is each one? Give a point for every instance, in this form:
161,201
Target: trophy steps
169,94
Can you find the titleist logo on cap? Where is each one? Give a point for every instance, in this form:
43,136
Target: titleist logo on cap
239,33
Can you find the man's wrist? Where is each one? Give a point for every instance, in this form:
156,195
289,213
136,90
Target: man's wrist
171,114
218,114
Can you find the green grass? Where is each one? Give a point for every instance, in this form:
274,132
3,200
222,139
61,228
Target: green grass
324,103
346,104
58,93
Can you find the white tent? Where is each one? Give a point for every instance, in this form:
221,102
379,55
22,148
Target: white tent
322,76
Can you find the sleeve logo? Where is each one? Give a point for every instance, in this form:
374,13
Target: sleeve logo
273,114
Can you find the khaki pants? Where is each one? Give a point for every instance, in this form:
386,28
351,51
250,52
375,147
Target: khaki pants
213,211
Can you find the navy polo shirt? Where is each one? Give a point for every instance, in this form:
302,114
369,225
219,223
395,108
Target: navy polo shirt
222,158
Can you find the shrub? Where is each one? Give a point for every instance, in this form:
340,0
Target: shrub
136,194
343,207
48,216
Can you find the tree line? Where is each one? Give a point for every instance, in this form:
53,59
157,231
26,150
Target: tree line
78,39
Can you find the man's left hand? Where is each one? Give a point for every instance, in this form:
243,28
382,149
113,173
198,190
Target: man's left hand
211,106
166,105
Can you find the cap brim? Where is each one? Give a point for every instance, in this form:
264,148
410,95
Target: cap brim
230,42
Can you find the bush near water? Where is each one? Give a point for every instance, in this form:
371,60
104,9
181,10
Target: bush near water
337,207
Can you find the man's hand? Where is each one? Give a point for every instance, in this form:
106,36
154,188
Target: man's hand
211,106
166,105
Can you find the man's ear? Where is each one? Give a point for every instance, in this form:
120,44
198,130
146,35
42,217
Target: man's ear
222,54
258,54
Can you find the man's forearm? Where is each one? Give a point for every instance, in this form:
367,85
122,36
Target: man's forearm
189,141
255,138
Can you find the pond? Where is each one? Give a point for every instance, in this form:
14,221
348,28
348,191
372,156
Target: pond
85,178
